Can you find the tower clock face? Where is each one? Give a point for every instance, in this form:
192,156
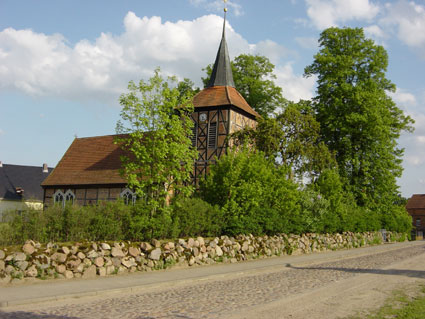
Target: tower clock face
202,117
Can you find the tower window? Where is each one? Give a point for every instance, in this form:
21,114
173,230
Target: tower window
193,136
212,135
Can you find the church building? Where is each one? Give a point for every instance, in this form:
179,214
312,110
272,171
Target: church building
89,170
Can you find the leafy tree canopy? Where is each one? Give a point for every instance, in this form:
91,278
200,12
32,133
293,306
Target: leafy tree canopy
254,79
358,120
290,139
186,88
155,135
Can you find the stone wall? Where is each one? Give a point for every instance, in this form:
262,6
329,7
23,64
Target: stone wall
91,259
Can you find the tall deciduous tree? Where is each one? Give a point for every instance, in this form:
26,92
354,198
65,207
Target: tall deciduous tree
358,119
154,130
292,139
254,79
186,88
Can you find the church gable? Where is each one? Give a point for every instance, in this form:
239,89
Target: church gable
88,161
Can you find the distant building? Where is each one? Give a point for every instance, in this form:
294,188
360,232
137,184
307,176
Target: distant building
416,208
89,170
20,186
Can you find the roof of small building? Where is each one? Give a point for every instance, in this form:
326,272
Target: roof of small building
19,182
416,201
222,96
89,161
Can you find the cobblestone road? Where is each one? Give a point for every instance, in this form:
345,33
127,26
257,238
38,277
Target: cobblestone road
218,297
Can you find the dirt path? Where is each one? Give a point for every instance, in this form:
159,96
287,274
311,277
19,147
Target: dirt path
317,287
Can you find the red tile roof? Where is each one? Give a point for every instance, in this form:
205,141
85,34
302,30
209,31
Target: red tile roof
416,201
88,161
221,96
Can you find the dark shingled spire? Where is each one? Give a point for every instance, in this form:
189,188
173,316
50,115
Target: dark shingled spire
222,72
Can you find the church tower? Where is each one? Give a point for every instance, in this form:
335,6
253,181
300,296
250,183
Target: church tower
219,110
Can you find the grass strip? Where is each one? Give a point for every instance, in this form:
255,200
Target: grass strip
401,306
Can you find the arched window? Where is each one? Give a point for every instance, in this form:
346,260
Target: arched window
128,196
59,197
69,196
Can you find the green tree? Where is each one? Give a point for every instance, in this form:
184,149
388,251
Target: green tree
186,88
154,132
254,195
290,139
358,120
254,79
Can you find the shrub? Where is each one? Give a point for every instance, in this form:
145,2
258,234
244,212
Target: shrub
107,221
6,234
315,215
397,219
253,194
144,226
195,217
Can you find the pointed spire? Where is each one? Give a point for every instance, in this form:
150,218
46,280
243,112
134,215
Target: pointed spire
222,72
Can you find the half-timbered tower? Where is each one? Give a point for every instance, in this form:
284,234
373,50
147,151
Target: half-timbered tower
219,111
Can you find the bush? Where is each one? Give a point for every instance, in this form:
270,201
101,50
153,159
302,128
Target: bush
106,221
253,194
144,226
6,234
195,217
397,219
315,214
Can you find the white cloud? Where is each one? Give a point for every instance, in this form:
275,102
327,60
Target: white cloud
414,160
295,87
375,32
408,18
307,43
46,65
402,97
1,132
420,139
328,13
273,51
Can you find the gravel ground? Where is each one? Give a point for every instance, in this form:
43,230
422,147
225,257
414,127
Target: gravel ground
222,297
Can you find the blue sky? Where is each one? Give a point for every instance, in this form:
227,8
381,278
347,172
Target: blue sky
63,64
